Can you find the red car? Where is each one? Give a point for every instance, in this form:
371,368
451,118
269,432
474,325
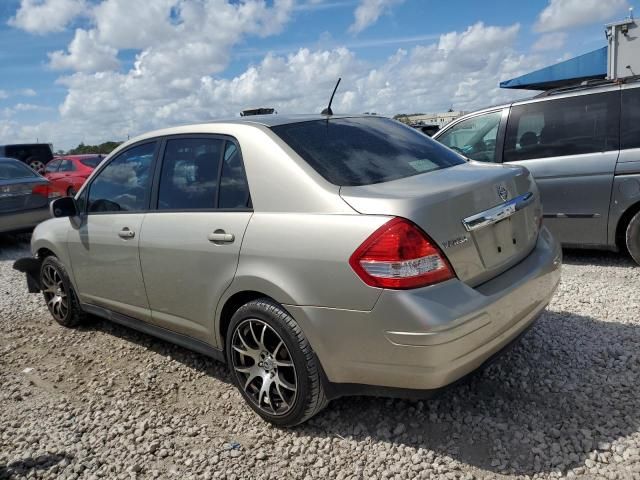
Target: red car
68,173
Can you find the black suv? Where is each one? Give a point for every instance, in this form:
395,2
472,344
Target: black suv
36,155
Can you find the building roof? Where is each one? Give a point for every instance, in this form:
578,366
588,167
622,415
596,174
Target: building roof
589,66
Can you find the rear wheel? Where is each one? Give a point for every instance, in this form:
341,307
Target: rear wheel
632,237
272,364
58,293
36,164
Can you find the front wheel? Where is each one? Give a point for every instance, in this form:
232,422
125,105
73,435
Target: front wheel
58,293
273,365
632,238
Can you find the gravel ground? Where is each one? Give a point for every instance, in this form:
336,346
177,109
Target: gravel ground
106,402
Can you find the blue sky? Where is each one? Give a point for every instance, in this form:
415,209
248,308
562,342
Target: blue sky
197,59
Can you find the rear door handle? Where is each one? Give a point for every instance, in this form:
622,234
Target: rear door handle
220,236
126,233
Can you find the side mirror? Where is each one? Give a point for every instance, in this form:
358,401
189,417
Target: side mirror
64,207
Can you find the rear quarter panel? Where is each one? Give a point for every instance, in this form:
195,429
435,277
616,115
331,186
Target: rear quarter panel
303,259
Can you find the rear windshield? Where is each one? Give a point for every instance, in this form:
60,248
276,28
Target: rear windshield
14,170
363,151
91,161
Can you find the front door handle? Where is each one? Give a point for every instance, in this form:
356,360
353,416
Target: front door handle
126,233
220,236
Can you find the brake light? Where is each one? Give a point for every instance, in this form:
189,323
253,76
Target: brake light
399,255
45,191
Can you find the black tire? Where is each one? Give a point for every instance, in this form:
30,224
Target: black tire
59,295
309,398
632,238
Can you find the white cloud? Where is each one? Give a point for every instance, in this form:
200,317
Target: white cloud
550,41
368,12
44,16
565,14
459,68
3,94
27,92
85,54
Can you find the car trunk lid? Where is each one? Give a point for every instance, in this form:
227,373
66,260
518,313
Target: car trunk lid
484,217
23,194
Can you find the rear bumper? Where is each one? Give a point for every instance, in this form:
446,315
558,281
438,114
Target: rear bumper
430,337
23,220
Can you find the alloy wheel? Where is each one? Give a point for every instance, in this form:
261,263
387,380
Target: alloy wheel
264,367
37,165
55,293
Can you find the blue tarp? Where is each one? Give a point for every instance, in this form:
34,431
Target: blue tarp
584,67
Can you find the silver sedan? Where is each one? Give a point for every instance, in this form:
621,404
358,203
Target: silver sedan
317,256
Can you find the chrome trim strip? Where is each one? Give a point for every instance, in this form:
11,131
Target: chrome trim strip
495,214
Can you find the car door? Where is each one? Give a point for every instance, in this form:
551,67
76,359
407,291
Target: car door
571,147
475,137
65,175
104,248
190,244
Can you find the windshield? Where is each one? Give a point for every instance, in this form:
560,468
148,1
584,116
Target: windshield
365,150
15,170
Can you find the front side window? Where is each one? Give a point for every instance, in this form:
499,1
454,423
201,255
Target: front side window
630,119
234,189
189,176
124,184
66,166
365,150
52,166
565,126
475,137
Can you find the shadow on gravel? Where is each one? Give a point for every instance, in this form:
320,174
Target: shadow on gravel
601,258
570,387
24,466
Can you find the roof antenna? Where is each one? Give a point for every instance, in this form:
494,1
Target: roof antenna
328,111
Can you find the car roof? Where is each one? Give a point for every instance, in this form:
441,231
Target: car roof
274,120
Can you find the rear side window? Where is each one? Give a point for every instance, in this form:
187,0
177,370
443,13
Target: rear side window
364,151
234,190
566,126
630,119
124,184
12,171
189,177
91,162
26,152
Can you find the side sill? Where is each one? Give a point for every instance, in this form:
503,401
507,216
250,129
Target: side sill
159,332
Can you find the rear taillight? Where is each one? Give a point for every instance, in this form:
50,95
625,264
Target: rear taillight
45,191
400,255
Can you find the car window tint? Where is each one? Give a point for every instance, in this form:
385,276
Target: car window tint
189,177
11,171
123,185
474,137
66,166
52,166
630,119
566,126
365,150
91,162
234,189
